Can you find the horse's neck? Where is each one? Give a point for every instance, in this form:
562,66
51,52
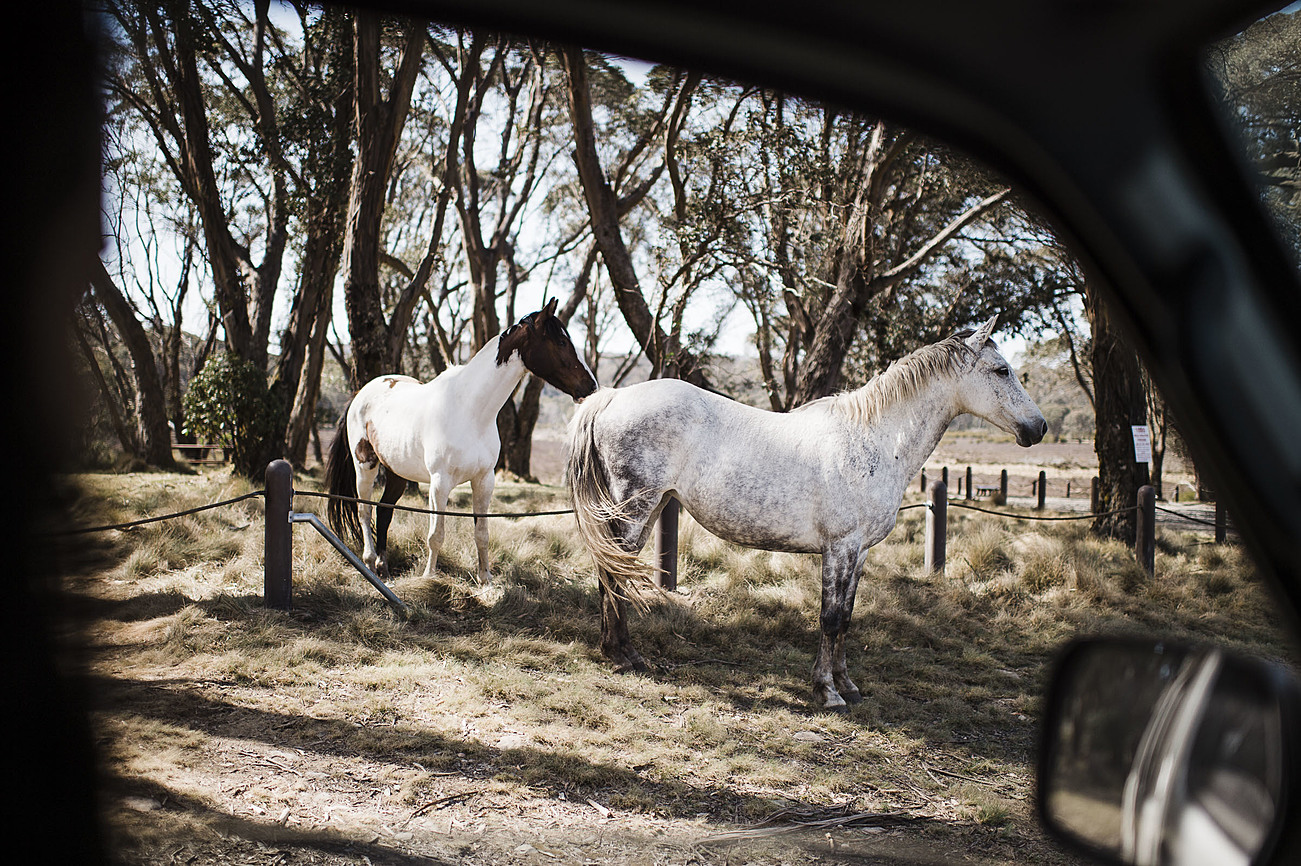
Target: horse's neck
487,386
910,430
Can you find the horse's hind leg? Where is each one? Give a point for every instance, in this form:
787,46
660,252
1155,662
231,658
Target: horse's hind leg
631,532
394,487
616,644
366,476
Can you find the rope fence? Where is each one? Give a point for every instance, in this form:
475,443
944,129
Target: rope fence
393,506
280,517
86,530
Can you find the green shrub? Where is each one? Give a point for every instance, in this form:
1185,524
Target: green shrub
228,402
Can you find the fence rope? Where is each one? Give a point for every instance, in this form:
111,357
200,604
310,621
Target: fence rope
89,529
1188,517
395,507
958,503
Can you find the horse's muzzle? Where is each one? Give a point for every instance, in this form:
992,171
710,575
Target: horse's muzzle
1031,433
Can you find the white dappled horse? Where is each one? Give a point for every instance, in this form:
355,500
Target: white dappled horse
826,478
442,432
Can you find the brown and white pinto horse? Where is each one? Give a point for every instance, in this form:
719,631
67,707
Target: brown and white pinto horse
442,432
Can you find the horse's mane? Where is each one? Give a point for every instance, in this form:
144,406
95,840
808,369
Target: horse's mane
903,380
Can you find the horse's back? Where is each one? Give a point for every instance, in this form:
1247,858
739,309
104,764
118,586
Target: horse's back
746,474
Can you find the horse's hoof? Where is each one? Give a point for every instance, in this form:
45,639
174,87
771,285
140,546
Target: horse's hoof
854,697
630,663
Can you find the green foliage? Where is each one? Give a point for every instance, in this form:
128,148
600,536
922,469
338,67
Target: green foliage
229,402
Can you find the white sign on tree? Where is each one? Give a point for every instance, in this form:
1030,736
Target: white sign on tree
1142,444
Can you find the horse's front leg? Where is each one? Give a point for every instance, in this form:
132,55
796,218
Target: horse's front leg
481,494
440,489
839,669
839,580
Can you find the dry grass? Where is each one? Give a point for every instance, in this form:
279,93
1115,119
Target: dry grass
502,691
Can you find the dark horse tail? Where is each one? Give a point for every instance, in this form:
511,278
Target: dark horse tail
341,480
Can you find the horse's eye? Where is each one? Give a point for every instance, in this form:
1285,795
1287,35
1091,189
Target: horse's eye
1002,371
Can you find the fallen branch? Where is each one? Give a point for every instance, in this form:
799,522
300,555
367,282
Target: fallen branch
793,820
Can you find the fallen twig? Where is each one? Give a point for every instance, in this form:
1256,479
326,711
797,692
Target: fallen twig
671,666
989,783
434,804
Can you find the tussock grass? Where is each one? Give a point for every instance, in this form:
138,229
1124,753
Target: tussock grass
506,684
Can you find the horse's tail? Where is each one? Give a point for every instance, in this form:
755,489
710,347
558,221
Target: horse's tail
341,480
595,508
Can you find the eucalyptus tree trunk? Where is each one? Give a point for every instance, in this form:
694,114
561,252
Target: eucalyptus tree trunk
604,209
328,169
379,121
857,283
154,435
1120,402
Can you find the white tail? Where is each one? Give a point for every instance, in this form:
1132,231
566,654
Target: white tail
621,570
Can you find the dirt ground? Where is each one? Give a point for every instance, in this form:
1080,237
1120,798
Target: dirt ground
348,808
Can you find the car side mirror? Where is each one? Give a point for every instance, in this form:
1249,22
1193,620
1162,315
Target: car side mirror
1162,754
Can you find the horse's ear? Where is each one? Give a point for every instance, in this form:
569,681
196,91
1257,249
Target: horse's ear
977,341
550,309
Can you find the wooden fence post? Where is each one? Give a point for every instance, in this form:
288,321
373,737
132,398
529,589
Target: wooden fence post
1145,529
1043,489
1221,522
666,546
278,578
1095,490
944,476
969,489
936,527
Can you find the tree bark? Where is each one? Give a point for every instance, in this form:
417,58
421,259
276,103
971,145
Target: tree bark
125,435
379,121
1119,403
150,406
329,164
856,285
603,209
302,412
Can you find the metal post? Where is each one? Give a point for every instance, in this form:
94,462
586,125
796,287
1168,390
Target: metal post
1145,531
1043,489
944,476
1095,491
1221,522
936,527
923,488
355,560
1068,489
278,579
1002,485
666,546
969,493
